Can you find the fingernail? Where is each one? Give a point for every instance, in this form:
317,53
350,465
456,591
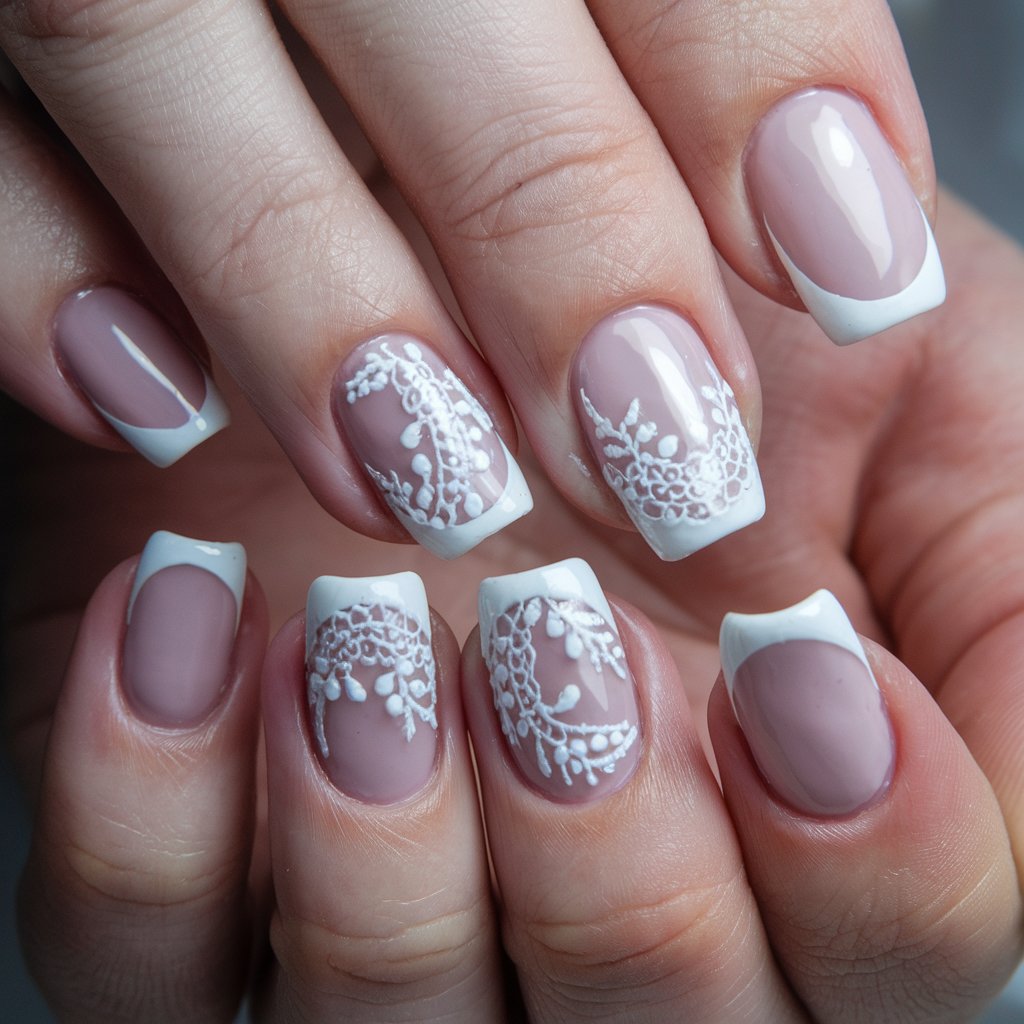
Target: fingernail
562,688
809,706
138,374
370,682
842,216
664,427
182,617
428,445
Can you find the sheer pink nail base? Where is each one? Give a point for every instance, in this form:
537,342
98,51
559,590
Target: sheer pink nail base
841,215
138,373
809,706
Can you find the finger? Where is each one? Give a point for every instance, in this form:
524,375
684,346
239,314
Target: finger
133,903
89,357
872,839
283,258
575,252
798,129
620,878
945,564
383,908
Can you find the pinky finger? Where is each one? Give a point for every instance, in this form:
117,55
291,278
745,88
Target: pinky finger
132,905
872,840
95,341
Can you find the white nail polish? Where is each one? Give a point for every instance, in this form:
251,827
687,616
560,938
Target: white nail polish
819,617
163,446
847,320
225,560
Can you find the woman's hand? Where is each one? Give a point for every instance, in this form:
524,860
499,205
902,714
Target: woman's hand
572,166
892,475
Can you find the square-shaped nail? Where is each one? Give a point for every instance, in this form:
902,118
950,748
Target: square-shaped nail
371,686
183,614
809,706
138,374
841,215
664,427
428,445
562,688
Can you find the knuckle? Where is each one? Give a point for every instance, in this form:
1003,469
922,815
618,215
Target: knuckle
147,871
539,170
406,964
239,241
675,941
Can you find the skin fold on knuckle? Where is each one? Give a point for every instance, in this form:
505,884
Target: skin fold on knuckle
394,965
542,172
673,944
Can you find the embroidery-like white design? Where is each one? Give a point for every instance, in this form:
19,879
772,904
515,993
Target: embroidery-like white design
371,635
653,483
511,659
444,415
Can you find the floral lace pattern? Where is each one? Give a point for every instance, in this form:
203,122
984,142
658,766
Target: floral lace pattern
571,749
445,431
652,482
370,636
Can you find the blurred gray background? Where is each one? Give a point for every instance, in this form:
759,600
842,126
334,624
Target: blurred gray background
968,59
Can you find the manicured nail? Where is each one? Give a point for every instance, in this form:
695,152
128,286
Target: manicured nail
428,445
138,374
842,216
370,681
182,617
809,706
562,688
664,427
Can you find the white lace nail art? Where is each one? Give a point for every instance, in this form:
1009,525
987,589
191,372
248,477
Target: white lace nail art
561,686
429,446
666,431
369,659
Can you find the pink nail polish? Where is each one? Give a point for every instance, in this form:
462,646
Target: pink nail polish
138,374
664,427
182,618
562,688
809,706
428,445
370,681
841,215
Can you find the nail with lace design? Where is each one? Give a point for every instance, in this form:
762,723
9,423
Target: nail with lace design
428,445
664,427
370,683
562,688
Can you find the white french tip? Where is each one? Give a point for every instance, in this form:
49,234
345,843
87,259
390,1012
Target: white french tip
670,542
163,446
331,594
568,580
818,617
226,560
847,320
451,541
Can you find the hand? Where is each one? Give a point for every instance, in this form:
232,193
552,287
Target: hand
568,165
891,478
